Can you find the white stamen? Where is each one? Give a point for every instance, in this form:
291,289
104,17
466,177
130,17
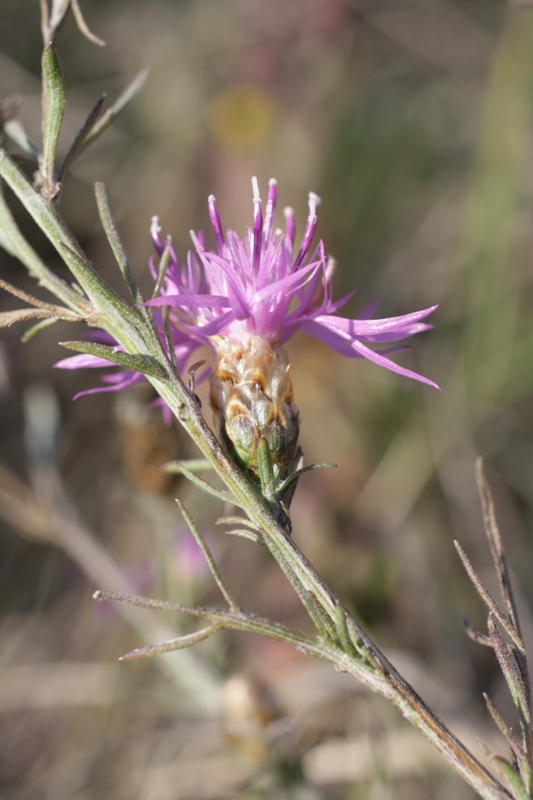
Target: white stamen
314,201
155,228
255,190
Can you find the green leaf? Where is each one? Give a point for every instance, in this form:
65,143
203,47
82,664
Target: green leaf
112,113
106,217
137,362
296,474
192,465
35,329
54,107
266,470
342,630
12,240
78,145
121,321
164,261
178,643
226,497
215,572
515,781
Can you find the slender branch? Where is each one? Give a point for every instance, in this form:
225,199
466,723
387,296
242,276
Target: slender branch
504,621
217,575
496,547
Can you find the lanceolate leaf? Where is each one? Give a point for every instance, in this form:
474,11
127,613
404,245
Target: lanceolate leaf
78,145
54,106
119,105
137,362
8,318
104,209
293,476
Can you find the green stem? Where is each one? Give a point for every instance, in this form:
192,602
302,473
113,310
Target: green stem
372,668
14,242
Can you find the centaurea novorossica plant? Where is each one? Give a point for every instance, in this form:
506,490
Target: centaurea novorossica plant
244,301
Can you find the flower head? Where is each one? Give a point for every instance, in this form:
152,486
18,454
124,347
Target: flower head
249,296
245,299
261,286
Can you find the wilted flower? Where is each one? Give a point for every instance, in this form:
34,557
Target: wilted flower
245,300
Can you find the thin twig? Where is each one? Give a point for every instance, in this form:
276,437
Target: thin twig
497,548
169,645
206,487
504,621
200,541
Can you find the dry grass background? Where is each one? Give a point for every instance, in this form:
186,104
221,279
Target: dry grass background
413,123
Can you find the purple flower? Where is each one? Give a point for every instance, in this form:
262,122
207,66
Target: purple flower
260,288
245,300
115,381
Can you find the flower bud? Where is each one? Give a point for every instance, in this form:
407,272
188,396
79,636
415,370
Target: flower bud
252,396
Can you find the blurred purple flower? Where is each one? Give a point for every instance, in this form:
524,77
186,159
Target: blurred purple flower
188,561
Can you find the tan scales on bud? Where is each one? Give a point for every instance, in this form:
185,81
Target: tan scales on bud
252,396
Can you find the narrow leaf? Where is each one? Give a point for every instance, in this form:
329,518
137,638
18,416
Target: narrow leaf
200,541
119,317
322,623
136,362
192,465
95,286
247,534
119,105
150,602
103,297
82,25
513,778
515,747
361,643
508,661
106,217
164,261
8,318
12,240
168,340
28,298
266,470
496,546
207,488
485,595
296,474
228,619
35,329
342,630
476,635
179,643
235,520
76,148
54,106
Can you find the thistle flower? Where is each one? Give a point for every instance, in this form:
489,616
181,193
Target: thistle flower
245,300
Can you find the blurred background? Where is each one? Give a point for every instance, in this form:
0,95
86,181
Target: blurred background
413,123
